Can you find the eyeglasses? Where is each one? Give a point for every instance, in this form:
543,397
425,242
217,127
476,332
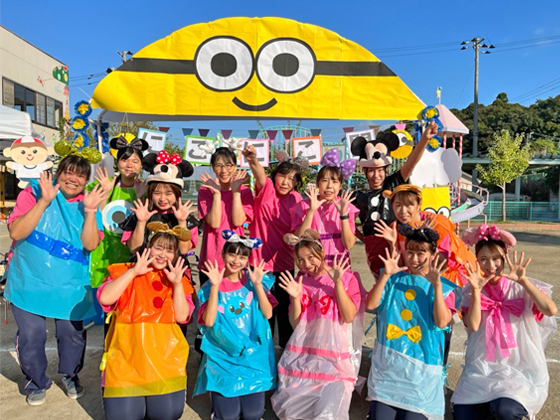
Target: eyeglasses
228,166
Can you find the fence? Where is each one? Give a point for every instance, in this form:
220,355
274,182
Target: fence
522,210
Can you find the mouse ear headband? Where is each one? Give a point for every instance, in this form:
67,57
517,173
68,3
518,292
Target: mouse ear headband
231,237
484,232
309,235
180,232
423,234
346,167
282,156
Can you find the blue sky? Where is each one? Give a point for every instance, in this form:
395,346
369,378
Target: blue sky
87,35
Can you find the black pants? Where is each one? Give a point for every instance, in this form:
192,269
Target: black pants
380,411
30,343
154,407
499,409
281,313
245,407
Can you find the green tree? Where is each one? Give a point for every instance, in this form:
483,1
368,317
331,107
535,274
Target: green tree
508,160
542,146
129,127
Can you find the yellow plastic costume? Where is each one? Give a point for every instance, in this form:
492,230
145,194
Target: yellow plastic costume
145,350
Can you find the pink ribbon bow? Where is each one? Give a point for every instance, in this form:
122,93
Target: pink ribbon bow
346,167
498,324
485,232
164,157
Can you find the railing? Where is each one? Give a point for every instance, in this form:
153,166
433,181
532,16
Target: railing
522,210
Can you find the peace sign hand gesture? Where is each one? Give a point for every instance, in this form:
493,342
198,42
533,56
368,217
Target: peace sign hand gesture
257,274
175,272
182,211
292,287
143,262
142,212
517,270
314,202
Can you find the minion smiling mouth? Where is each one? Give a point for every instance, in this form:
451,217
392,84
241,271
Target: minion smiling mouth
247,107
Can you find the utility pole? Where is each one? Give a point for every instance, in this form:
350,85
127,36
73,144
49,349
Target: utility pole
476,44
124,55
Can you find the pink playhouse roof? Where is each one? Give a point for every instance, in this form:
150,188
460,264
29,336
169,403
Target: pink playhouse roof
451,124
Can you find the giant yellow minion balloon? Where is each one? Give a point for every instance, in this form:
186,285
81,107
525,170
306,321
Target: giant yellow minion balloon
247,68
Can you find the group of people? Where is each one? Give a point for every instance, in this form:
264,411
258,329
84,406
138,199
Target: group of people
68,253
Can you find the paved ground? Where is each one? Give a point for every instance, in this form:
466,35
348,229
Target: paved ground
538,241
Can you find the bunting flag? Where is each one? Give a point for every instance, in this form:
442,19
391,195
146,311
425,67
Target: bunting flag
400,126
164,129
315,132
187,131
271,134
287,134
253,134
348,129
375,128
203,132
226,133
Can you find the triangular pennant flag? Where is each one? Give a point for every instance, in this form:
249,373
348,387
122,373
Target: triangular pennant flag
203,132
271,134
375,128
287,134
253,133
226,133
400,126
187,131
348,129
315,132
164,129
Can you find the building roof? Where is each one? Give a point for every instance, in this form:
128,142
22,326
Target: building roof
451,124
34,46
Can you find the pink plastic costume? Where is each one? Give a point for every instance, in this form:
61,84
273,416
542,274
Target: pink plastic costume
318,369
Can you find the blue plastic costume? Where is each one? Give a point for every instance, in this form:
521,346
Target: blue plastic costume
49,271
406,363
238,349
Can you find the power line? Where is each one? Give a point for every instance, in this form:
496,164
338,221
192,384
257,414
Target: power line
535,90
464,86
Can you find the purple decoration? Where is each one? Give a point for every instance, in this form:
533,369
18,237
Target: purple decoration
346,167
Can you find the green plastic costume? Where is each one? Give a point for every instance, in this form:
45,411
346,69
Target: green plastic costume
110,250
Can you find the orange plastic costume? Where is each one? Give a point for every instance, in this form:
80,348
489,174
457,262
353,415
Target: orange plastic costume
450,245
145,350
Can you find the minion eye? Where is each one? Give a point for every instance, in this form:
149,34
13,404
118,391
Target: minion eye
224,64
444,211
285,65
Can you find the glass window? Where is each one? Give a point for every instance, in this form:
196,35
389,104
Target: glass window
19,99
57,112
41,115
8,89
30,103
50,112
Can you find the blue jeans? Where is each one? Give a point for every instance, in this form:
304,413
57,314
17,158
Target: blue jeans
245,407
153,407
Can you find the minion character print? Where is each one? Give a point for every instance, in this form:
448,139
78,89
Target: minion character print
246,68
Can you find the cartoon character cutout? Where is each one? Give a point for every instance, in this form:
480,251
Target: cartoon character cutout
375,153
29,157
236,306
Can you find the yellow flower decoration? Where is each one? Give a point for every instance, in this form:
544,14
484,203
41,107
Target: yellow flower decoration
82,109
78,124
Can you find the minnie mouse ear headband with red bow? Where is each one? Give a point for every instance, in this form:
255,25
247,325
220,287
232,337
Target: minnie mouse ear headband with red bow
166,168
346,167
310,235
375,153
121,145
484,233
231,237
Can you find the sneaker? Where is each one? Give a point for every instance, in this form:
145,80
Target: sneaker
36,397
72,386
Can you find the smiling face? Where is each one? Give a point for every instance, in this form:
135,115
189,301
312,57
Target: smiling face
417,257
129,167
285,183
163,248
406,208
256,67
310,260
30,156
329,183
71,183
376,177
224,170
163,197
491,261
